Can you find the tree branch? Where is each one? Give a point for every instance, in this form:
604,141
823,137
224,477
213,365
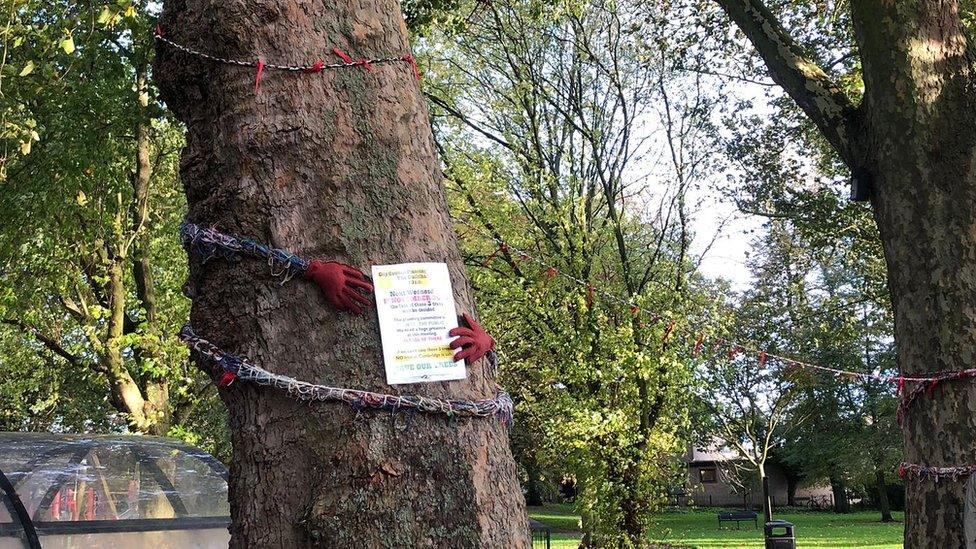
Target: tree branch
812,89
48,342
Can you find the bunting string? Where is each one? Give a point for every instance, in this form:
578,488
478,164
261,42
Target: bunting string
210,242
927,381
235,367
345,61
924,384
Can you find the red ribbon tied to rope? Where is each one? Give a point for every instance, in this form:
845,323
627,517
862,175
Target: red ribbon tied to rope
413,64
345,58
734,351
316,67
501,249
667,332
226,379
257,77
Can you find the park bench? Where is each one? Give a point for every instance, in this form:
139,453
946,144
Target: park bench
737,517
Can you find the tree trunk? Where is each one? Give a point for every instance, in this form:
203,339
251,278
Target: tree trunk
634,507
839,489
533,494
156,388
338,165
920,135
912,139
767,504
882,487
791,491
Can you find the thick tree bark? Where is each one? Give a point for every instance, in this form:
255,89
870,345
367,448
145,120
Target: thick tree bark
921,125
337,165
915,134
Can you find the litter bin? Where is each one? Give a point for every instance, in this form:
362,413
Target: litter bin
780,535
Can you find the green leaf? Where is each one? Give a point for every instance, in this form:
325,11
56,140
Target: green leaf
68,45
104,16
28,68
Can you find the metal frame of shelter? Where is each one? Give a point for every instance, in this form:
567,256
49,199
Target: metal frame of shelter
79,448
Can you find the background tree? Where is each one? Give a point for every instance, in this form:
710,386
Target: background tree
908,142
545,117
751,412
90,287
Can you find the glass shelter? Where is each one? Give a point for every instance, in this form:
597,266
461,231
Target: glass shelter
74,491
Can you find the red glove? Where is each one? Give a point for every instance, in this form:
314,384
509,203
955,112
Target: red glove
472,339
341,284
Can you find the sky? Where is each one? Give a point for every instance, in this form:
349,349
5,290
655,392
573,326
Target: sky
726,258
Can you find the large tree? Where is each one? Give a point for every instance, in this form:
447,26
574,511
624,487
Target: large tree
908,139
339,165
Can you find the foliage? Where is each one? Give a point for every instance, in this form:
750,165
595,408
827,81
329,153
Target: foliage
90,287
543,114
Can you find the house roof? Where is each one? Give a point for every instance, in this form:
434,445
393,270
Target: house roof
715,451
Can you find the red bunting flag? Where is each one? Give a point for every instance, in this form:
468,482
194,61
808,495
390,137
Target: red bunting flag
667,332
346,59
501,249
735,350
318,66
257,77
698,345
413,64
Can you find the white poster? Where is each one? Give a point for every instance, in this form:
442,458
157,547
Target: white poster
415,304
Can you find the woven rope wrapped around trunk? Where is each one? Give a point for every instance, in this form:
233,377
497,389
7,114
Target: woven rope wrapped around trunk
498,406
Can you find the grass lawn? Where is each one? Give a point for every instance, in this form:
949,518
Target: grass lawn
699,528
